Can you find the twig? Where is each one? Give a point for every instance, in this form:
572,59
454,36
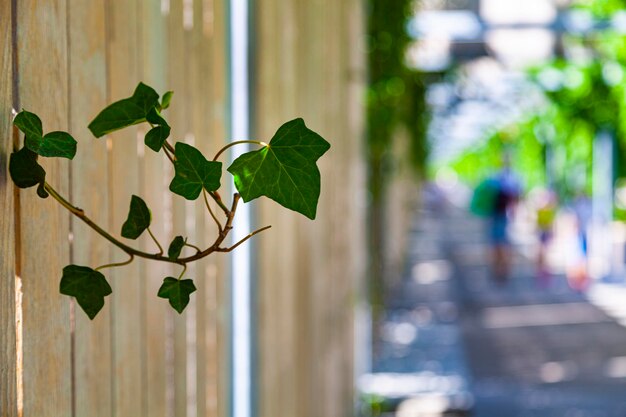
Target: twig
243,240
155,241
208,206
239,142
112,265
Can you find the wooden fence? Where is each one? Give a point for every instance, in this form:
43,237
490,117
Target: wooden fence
64,60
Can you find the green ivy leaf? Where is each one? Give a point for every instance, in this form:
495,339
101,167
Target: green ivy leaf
173,252
154,117
177,291
139,218
167,98
126,112
60,144
87,285
41,191
24,169
29,123
156,137
193,172
285,170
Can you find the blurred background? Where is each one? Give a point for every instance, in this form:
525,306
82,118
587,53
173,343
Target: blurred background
496,149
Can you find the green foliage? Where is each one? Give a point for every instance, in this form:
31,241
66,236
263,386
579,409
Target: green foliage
284,170
177,292
395,93
29,123
138,220
24,169
156,137
88,286
194,172
59,144
173,252
167,98
127,112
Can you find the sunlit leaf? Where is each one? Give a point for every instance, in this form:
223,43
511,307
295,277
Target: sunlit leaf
285,170
60,144
126,112
167,98
29,123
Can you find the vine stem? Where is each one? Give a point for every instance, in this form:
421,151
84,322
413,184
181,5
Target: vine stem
81,215
114,264
244,239
183,271
208,206
167,153
193,246
155,241
135,252
216,197
239,142
169,147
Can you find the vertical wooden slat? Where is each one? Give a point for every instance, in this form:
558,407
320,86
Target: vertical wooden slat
312,281
216,339
42,44
8,358
177,119
193,220
200,98
88,91
123,182
155,51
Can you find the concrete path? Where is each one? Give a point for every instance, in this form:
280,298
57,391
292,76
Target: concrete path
519,350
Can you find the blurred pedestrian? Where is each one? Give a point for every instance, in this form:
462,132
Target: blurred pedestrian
546,213
577,274
507,194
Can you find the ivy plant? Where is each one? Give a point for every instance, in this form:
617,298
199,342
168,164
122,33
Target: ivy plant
283,169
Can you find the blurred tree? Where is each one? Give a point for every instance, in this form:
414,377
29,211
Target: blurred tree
395,96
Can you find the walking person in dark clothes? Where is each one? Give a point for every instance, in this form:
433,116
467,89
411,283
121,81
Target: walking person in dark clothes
506,196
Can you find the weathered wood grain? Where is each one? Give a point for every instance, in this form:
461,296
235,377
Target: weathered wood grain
44,246
88,93
8,358
217,304
177,116
124,180
155,169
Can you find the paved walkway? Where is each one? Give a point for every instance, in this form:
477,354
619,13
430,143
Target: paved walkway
502,351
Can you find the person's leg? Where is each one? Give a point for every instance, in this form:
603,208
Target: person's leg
500,250
500,263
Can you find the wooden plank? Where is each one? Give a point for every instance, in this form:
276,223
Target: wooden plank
88,90
42,43
8,353
200,98
216,339
156,319
281,378
177,119
124,180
